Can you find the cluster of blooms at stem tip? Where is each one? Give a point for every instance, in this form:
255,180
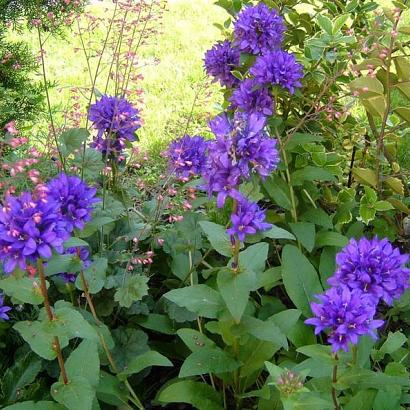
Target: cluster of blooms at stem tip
258,29
4,309
247,219
347,314
83,254
116,122
373,266
76,199
187,156
241,148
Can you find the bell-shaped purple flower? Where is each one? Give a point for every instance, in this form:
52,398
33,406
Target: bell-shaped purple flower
258,29
30,229
4,309
374,267
278,68
187,156
220,60
75,197
247,219
347,314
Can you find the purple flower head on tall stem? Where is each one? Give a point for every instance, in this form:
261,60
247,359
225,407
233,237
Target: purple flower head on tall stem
278,68
374,267
247,219
30,229
220,60
258,29
252,97
347,314
75,197
187,156
116,122
4,309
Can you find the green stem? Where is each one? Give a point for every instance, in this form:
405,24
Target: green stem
334,380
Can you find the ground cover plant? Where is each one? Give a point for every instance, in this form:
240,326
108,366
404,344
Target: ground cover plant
265,265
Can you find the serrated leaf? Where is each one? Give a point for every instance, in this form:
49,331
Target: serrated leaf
207,360
367,213
78,394
147,359
133,290
365,176
72,140
300,278
26,290
200,299
95,276
395,184
235,289
383,206
218,237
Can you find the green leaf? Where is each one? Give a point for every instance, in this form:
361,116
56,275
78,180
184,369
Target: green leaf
254,257
218,237
375,105
388,399
157,322
365,176
200,395
319,217
393,342
235,288
78,394
310,173
74,242
383,206
39,405
363,400
367,213
301,139
40,342
278,191
200,299
403,112
373,86
265,330
147,359
194,339
84,362
91,163
404,88
339,23
300,278
22,373
94,225
207,360
72,140
26,290
110,390
328,238
95,276
325,24
63,263
305,232
278,233
134,289
402,65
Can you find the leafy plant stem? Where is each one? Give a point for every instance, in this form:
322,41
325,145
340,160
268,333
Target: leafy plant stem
334,380
51,317
50,113
354,355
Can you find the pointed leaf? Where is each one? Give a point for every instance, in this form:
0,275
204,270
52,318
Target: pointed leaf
147,359
218,237
78,394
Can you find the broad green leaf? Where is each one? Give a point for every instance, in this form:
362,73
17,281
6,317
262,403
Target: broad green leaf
194,339
218,237
94,225
403,112
301,139
395,184
265,330
40,342
339,23
402,65
317,352
268,278
278,233
200,299
133,290
110,390
404,88
74,242
363,400
158,323
319,217
285,320
94,275
254,257
310,173
367,86
375,105
383,206
278,191
235,288
72,140
327,264
63,263
200,395
325,24
207,360
147,359
300,278
307,401
393,342
91,162
84,362
329,238
367,213
26,290
365,176
388,399
78,394
38,405
305,233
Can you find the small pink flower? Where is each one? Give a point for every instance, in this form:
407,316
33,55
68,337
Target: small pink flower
11,128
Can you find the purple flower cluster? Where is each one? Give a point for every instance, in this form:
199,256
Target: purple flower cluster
368,271
278,68
32,227
258,30
252,97
347,314
116,121
75,197
83,254
220,60
247,219
4,309
187,156
240,148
